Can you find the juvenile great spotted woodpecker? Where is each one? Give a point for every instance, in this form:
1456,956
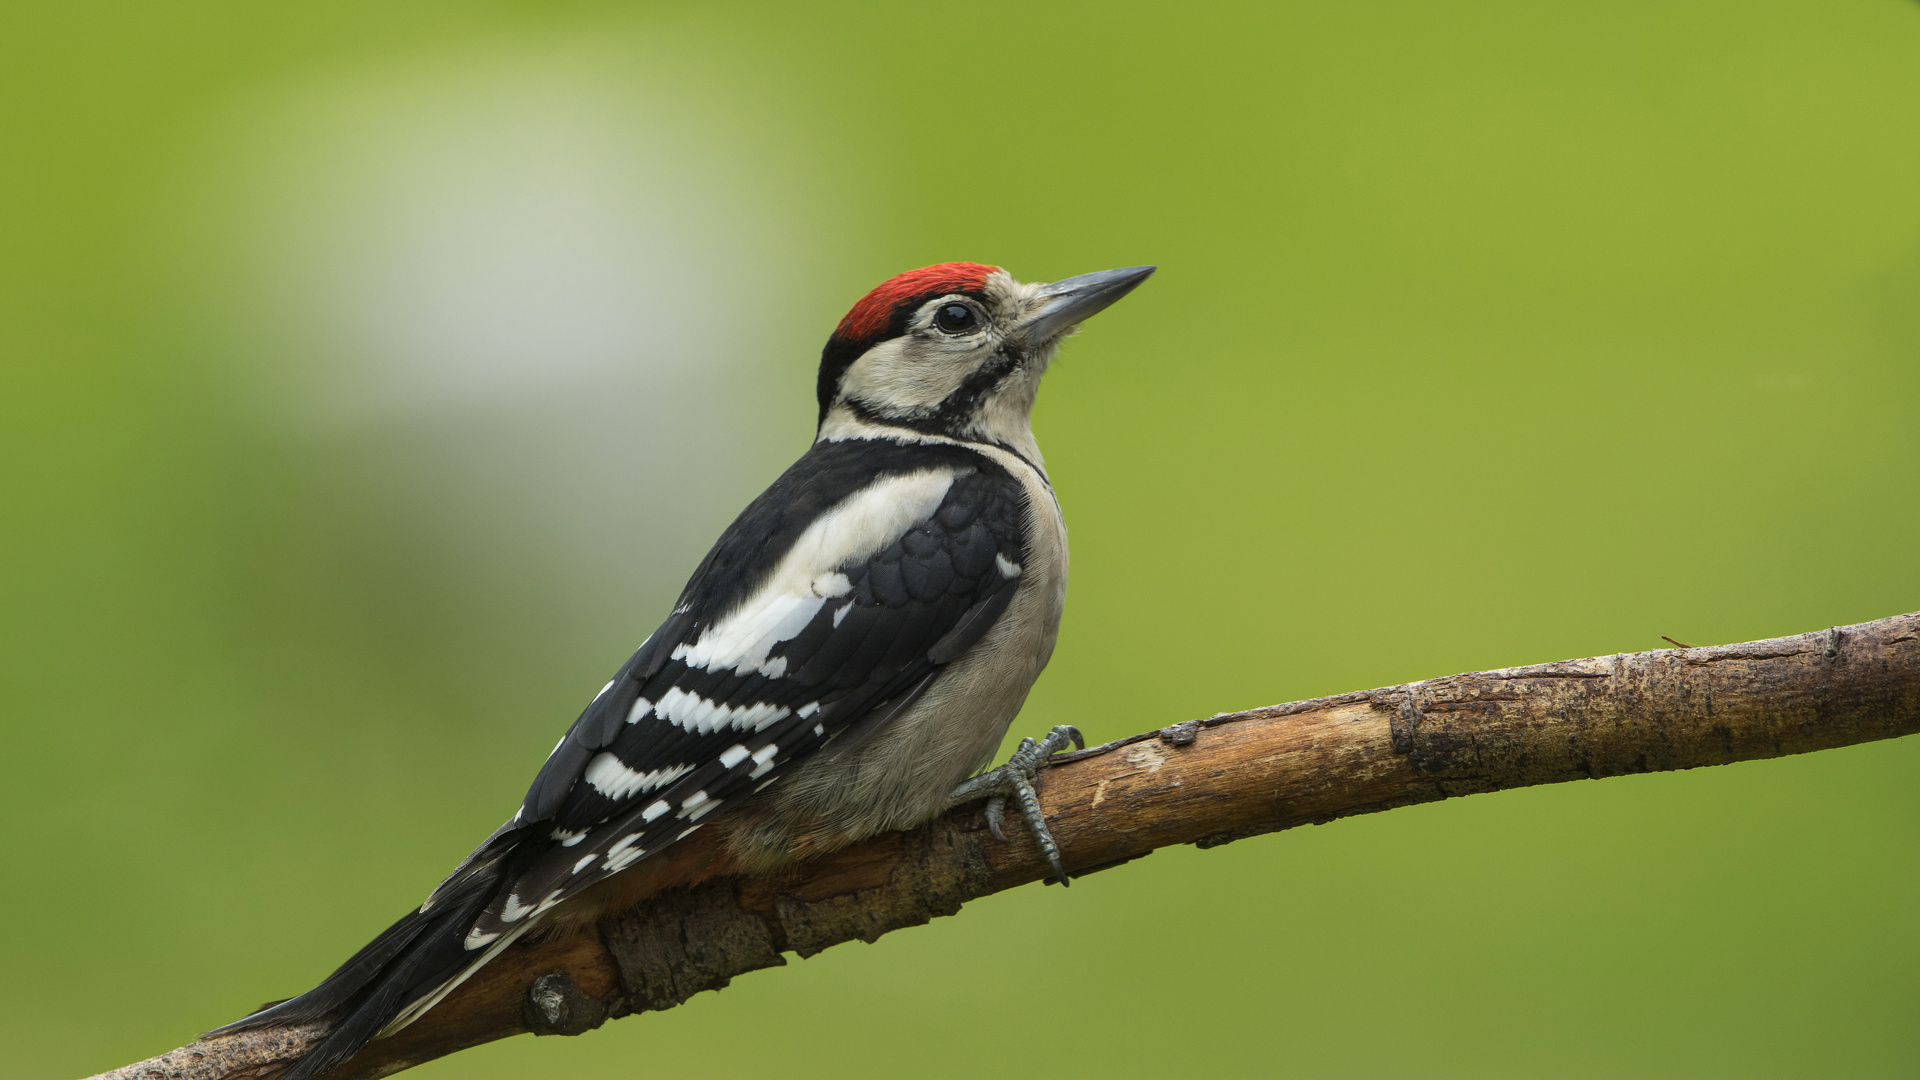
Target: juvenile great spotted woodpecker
849,653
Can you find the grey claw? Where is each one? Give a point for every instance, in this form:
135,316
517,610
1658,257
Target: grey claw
1015,780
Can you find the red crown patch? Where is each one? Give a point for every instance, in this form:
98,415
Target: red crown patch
872,313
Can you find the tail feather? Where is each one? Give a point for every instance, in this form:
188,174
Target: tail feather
339,987
419,1005
435,955
396,977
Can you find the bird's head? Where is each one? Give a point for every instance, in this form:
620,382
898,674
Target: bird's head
955,349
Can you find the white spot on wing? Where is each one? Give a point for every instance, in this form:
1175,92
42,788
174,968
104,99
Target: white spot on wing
611,777
622,854
659,807
742,641
568,839
603,690
641,707
840,614
735,755
695,713
584,863
513,911
808,575
1008,568
476,939
763,760
808,709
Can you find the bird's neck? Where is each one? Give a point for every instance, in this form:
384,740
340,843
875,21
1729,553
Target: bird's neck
1004,424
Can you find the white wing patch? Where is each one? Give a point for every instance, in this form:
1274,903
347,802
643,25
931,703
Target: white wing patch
697,805
610,777
763,760
808,576
695,713
622,854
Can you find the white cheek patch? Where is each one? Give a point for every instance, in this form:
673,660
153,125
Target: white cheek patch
808,575
910,373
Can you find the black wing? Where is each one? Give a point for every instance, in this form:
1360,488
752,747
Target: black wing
836,594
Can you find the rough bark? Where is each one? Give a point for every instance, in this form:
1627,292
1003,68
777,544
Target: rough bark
1204,782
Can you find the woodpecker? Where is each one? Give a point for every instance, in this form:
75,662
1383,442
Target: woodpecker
842,663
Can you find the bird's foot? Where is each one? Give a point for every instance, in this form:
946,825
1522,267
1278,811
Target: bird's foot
1015,780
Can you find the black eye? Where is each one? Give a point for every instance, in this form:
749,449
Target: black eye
955,319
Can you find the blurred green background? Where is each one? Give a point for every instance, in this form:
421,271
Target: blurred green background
374,375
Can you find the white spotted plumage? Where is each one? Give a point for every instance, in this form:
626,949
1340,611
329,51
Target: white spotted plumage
689,710
613,779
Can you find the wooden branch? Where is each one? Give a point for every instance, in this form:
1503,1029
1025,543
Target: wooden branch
1204,782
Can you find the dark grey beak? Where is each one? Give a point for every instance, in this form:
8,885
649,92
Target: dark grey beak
1077,299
